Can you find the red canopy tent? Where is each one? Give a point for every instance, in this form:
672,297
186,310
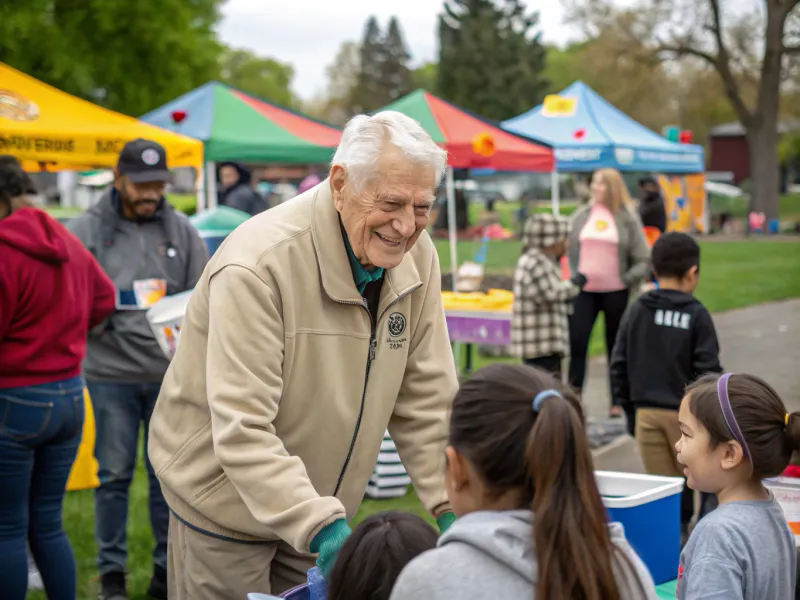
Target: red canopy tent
473,142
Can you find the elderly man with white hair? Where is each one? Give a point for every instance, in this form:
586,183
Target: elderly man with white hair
316,326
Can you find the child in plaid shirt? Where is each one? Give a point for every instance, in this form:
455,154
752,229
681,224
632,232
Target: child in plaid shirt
542,300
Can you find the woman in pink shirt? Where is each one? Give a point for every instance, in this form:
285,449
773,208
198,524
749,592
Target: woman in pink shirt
608,246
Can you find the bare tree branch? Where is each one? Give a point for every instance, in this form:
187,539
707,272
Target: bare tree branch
681,51
791,49
723,66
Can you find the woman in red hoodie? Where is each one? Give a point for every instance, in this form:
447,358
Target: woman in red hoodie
51,293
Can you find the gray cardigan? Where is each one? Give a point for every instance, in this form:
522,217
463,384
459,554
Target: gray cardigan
634,255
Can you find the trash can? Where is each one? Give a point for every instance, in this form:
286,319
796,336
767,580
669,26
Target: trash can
214,225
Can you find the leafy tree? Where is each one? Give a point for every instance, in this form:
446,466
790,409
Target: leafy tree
338,104
130,57
490,57
424,77
263,77
750,45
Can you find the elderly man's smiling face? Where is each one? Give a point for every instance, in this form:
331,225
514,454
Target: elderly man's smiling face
384,217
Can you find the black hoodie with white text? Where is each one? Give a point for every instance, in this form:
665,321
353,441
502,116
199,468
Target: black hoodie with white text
665,341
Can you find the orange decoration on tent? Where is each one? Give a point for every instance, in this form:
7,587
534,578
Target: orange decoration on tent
483,144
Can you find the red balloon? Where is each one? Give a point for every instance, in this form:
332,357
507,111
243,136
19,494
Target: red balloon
178,116
579,134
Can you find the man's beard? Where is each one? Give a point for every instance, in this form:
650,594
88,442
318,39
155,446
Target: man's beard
134,206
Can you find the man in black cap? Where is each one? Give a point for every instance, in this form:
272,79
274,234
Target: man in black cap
651,204
149,250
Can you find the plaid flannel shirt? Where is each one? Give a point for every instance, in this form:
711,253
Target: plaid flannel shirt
539,318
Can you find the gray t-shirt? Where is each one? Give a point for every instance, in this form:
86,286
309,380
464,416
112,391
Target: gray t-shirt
742,550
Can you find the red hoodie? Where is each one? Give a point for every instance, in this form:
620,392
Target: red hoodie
52,291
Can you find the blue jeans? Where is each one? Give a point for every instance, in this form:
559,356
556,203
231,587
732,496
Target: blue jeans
120,409
40,431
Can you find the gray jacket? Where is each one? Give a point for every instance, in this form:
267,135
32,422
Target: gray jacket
634,255
489,555
243,198
169,248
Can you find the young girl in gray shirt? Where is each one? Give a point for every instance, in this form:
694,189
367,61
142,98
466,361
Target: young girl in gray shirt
531,520
735,432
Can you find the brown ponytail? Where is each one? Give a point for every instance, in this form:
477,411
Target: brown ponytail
545,456
570,526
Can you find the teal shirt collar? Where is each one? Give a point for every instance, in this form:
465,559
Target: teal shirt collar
361,276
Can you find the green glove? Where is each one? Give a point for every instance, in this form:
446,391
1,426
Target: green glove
327,544
444,520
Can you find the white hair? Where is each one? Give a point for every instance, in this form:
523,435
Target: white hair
364,138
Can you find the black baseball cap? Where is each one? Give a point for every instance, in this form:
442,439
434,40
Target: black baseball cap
647,179
144,161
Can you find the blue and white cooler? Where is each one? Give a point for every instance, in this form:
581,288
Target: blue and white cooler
649,508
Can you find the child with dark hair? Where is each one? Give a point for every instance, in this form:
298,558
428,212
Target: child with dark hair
531,521
373,556
735,432
542,300
666,340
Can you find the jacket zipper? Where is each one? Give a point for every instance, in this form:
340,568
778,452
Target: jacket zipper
373,345
373,342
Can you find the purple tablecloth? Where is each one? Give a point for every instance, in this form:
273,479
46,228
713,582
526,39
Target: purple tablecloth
479,327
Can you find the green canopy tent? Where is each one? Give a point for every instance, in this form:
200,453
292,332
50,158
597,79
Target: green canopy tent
235,126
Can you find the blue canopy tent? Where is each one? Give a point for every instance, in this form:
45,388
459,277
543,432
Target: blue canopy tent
589,133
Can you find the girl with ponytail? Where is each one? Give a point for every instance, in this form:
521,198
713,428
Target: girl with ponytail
531,520
735,432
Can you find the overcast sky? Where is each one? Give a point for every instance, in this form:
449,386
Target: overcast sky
308,33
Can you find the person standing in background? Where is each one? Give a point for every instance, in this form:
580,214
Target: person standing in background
607,245
149,250
542,300
51,293
236,191
652,211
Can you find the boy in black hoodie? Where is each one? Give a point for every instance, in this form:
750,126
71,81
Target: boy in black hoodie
665,341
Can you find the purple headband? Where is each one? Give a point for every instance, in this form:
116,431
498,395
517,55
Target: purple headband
727,413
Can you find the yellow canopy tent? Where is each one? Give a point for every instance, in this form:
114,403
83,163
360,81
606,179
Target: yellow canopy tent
48,129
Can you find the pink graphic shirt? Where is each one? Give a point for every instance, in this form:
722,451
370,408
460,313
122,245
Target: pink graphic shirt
599,254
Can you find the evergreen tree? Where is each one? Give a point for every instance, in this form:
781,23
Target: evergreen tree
368,93
490,59
395,75
383,75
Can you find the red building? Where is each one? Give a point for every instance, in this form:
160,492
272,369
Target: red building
730,152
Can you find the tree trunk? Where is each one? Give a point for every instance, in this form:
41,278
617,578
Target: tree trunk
765,169
762,131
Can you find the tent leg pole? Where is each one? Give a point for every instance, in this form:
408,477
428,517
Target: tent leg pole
555,192
200,188
451,225
211,184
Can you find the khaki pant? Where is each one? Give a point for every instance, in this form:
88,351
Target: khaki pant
657,432
203,567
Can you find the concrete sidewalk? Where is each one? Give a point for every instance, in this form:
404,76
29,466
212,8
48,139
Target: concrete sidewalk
763,340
